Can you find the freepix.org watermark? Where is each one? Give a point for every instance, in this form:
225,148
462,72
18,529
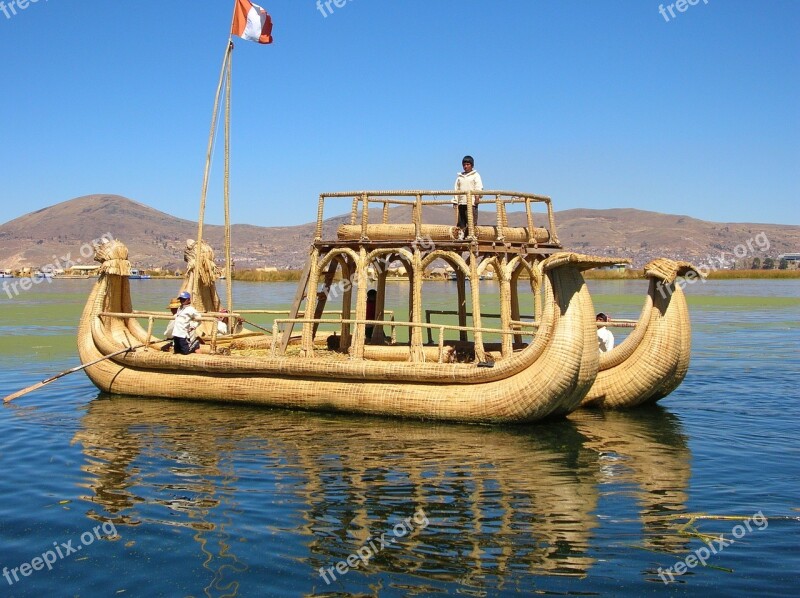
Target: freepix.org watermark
380,265
680,6
715,546
758,244
13,287
326,6
373,546
60,550
10,8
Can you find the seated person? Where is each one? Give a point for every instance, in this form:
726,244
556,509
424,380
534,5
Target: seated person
605,339
222,323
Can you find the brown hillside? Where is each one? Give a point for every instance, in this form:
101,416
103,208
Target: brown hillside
156,239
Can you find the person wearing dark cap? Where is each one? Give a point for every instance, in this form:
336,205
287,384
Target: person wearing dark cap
467,180
187,318
605,339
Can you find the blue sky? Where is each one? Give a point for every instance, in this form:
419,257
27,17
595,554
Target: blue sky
597,104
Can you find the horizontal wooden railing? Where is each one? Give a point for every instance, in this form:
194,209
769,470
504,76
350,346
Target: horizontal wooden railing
501,199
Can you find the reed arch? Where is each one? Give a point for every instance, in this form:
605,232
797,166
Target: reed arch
386,256
343,262
461,271
514,268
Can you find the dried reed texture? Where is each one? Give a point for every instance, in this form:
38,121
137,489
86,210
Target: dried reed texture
113,258
512,234
653,360
397,232
549,377
200,281
438,232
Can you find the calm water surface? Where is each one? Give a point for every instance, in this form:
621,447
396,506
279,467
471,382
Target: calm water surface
214,500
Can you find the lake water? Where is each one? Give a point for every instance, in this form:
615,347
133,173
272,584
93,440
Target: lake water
127,497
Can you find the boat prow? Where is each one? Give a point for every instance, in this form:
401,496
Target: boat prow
653,360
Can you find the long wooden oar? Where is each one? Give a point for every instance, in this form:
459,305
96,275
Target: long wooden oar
256,325
38,385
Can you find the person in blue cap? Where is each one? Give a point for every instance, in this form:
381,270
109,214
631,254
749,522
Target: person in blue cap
187,319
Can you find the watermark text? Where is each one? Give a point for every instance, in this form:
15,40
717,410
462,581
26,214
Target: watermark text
60,550
679,5
713,547
373,546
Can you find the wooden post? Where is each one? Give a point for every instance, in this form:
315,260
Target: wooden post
311,303
149,332
302,285
506,342
514,288
364,218
324,298
501,218
461,283
416,306
347,304
529,216
357,347
474,279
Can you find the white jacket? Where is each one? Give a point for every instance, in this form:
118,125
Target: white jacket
605,339
470,181
186,320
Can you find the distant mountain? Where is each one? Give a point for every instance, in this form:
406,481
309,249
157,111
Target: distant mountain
156,239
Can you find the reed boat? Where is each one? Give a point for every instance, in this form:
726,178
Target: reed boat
525,368
653,360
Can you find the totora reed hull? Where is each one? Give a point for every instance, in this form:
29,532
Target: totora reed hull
549,377
654,359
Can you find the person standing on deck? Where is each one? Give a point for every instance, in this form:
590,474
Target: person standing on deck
187,318
468,180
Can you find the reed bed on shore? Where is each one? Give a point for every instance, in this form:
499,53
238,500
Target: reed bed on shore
261,276
633,274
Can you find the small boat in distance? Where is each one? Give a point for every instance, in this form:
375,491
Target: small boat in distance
137,274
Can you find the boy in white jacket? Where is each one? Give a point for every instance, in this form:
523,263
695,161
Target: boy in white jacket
468,180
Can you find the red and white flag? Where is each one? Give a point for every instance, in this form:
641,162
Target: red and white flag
251,22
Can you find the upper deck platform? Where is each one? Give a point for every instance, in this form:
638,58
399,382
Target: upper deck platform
507,221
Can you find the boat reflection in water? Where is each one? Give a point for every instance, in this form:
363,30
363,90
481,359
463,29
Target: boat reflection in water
645,449
502,504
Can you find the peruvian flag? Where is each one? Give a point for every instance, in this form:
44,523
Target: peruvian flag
251,22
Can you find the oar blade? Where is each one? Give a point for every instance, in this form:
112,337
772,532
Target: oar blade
24,391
